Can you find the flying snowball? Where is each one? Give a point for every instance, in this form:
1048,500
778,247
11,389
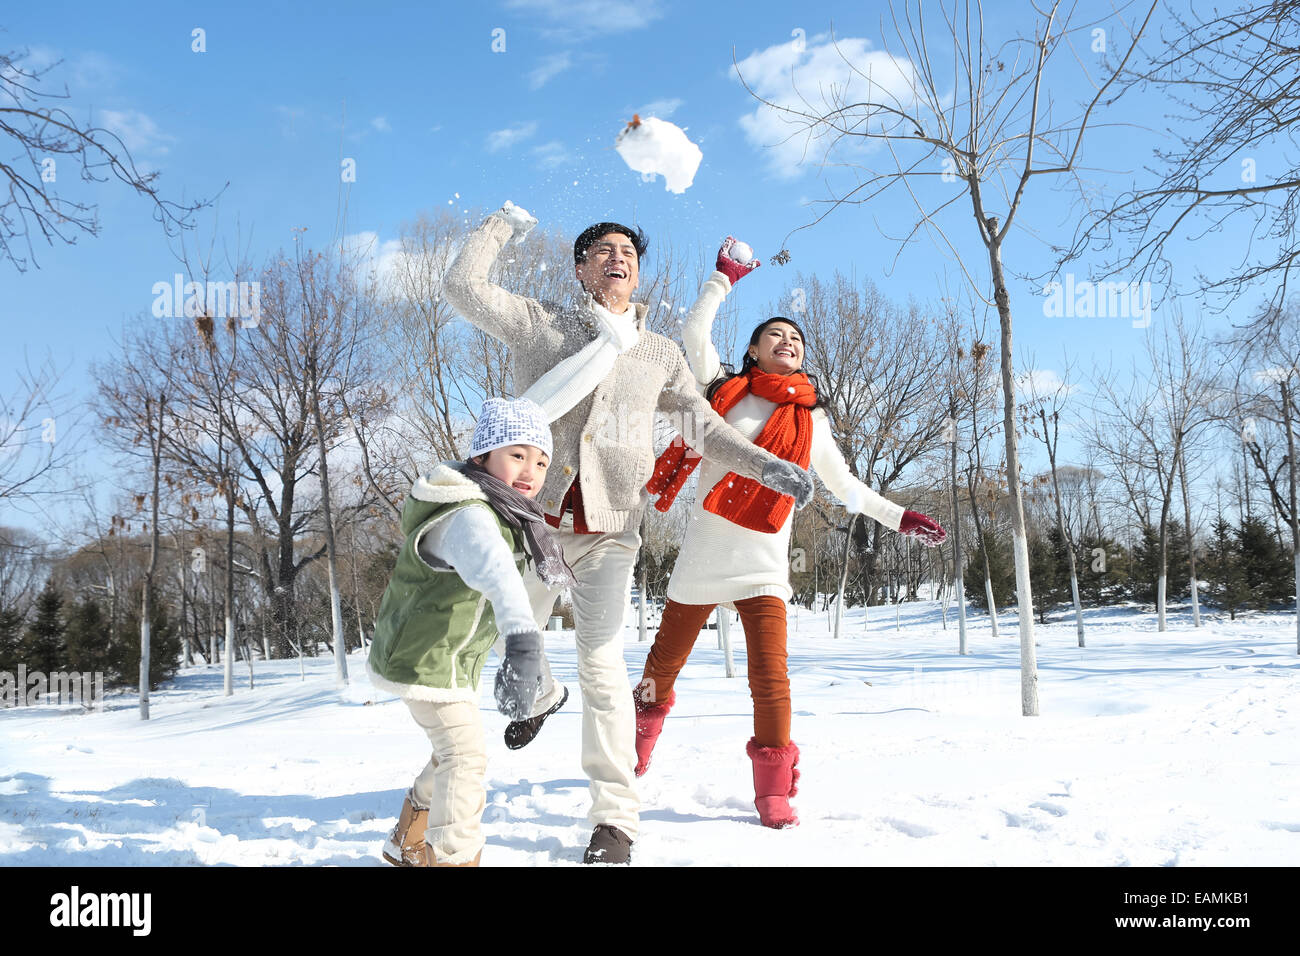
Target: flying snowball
652,146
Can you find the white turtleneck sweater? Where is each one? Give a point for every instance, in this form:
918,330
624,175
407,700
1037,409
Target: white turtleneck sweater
720,562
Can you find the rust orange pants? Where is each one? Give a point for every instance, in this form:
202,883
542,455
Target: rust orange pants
769,681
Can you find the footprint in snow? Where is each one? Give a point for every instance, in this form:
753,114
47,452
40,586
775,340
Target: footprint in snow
1052,808
909,829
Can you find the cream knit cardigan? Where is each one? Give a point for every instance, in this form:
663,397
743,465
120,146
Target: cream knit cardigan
720,562
608,437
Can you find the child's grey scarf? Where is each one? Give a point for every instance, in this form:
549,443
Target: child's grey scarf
521,512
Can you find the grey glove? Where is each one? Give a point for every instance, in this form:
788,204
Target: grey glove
519,678
789,479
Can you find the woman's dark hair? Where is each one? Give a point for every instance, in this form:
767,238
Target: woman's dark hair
594,233
746,362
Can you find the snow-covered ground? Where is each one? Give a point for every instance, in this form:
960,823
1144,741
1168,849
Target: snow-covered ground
1152,749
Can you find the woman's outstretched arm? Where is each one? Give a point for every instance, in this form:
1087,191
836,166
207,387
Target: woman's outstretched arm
697,330
835,475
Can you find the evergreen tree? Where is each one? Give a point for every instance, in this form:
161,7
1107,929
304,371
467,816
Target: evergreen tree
44,647
88,638
1265,564
1049,569
1225,576
1103,565
1002,573
1146,564
11,640
164,646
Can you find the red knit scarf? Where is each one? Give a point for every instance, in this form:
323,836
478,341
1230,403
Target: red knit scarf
787,434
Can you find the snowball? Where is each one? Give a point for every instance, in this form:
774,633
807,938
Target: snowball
653,146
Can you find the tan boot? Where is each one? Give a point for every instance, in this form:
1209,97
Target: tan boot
431,859
405,846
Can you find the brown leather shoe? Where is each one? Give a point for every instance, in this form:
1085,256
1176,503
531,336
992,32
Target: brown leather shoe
405,845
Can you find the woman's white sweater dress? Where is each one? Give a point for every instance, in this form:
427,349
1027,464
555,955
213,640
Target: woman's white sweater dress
720,562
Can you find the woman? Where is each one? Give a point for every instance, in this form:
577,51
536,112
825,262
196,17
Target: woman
736,546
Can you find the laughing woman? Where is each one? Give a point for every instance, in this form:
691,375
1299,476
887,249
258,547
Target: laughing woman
737,542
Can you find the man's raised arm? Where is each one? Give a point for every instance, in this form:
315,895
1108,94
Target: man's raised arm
499,313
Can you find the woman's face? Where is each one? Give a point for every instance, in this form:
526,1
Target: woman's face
779,350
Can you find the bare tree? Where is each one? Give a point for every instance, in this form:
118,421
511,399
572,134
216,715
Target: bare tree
981,118
874,363
40,134
1234,76
1164,407
1047,406
37,439
135,390
1266,385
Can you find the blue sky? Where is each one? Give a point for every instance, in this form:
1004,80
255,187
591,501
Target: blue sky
417,97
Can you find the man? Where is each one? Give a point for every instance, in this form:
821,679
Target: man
600,375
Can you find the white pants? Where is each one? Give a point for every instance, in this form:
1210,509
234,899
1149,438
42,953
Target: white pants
603,565
451,784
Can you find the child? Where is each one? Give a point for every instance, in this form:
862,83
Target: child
468,528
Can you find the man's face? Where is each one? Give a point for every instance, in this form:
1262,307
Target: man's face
610,271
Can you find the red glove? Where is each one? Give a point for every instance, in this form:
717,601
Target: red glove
919,526
733,270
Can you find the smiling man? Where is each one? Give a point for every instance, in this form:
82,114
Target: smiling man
595,368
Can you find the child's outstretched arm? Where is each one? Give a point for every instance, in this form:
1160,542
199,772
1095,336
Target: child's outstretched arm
469,541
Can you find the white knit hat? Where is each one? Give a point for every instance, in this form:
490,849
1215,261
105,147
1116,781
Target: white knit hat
504,422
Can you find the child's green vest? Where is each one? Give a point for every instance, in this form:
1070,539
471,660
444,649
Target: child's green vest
434,631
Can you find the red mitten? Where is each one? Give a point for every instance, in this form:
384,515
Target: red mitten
919,526
733,270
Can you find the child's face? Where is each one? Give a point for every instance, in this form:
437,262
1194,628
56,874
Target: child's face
522,467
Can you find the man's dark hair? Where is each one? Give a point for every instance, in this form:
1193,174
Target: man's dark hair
593,234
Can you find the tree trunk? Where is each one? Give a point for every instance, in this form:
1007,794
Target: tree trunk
187,657
146,600
331,555
984,553
724,640
230,589
641,589
1191,546
1060,522
844,575
1024,589
958,584
1295,518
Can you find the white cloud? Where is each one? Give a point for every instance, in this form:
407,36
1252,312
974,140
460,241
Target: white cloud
1042,382
548,69
550,154
35,60
505,138
84,72
375,255
581,19
138,133
823,74
660,108
381,124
